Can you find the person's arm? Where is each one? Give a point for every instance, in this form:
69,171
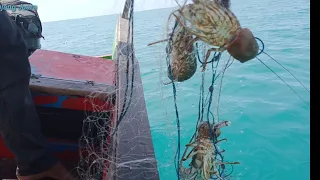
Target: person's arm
14,63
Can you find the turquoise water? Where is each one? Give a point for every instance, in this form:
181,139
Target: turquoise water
270,132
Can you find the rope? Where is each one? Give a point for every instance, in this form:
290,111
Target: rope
283,81
202,103
216,58
262,51
169,50
287,71
208,101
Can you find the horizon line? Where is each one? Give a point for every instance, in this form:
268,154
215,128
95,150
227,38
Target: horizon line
101,15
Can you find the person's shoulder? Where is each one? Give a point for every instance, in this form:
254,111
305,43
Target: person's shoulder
9,32
5,20
6,25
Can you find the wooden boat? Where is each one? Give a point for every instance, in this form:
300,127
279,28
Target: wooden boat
61,85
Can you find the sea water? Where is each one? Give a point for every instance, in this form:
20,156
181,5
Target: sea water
270,132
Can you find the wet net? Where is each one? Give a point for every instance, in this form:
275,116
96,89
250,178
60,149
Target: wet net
115,141
112,140
186,54
207,111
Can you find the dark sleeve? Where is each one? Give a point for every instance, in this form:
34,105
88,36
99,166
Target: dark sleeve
14,63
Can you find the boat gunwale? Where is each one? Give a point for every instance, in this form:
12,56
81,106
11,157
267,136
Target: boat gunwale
64,87
132,143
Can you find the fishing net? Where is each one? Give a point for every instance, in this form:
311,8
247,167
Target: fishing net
116,143
103,154
204,106
209,88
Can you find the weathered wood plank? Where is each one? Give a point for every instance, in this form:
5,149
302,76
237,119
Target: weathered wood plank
135,153
121,35
72,88
75,67
134,156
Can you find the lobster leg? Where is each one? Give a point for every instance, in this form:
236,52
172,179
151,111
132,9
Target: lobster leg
192,153
220,163
164,40
222,124
214,172
194,144
224,139
207,57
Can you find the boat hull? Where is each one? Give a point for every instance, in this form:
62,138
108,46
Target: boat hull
63,101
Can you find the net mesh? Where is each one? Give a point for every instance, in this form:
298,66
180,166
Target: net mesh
115,141
208,100
210,90
103,153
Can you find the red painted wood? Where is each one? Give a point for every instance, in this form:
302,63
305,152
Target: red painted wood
72,67
69,67
43,100
86,104
73,102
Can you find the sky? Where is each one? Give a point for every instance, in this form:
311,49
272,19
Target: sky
55,10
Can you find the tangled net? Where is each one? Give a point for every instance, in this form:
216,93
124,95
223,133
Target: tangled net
113,140
205,107
182,51
100,159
